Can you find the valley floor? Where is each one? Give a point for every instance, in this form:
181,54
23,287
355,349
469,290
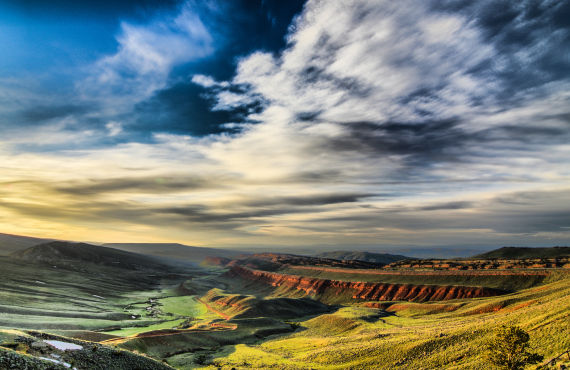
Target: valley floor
208,319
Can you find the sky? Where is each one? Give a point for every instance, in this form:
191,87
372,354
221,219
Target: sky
272,124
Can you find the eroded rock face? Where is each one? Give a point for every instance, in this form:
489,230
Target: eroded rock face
363,290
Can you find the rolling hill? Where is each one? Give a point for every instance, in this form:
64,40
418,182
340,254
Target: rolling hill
11,243
174,251
526,252
385,258
66,253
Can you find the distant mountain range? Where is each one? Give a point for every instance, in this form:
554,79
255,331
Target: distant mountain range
175,251
526,252
10,244
384,258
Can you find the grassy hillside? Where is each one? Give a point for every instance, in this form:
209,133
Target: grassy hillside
384,258
524,252
175,251
78,254
12,243
192,317
244,306
81,296
412,335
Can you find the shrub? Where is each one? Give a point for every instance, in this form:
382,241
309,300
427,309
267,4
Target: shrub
509,349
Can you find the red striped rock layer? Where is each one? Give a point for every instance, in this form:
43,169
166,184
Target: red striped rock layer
363,290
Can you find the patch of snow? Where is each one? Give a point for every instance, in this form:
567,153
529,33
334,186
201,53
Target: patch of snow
97,296
64,346
40,282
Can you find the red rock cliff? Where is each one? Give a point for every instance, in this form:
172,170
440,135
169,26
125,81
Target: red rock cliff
363,290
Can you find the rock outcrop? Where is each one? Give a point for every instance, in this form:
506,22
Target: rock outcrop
366,291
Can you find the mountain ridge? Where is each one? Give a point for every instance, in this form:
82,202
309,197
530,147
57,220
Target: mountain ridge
60,252
10,243
526,252
384,258
174,251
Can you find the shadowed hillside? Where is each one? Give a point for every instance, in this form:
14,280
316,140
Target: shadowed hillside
11,243
525,252
244,306
175,251
80,253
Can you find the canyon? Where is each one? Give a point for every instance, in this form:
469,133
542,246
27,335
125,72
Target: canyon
365,291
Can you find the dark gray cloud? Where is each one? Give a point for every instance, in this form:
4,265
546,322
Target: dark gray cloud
529,37
311,200
517,213
447,206
43,113
217,219
154,184
425,144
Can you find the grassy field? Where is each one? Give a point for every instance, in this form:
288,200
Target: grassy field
411,335
183,306
46,297
174,311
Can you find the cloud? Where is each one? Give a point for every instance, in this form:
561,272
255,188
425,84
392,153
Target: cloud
145,56
409,87
39,114
149,185
310,200
394,123
355,63
207,81
381,62
99,106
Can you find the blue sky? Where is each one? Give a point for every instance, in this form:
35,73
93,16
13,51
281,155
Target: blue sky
287,123
51,48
